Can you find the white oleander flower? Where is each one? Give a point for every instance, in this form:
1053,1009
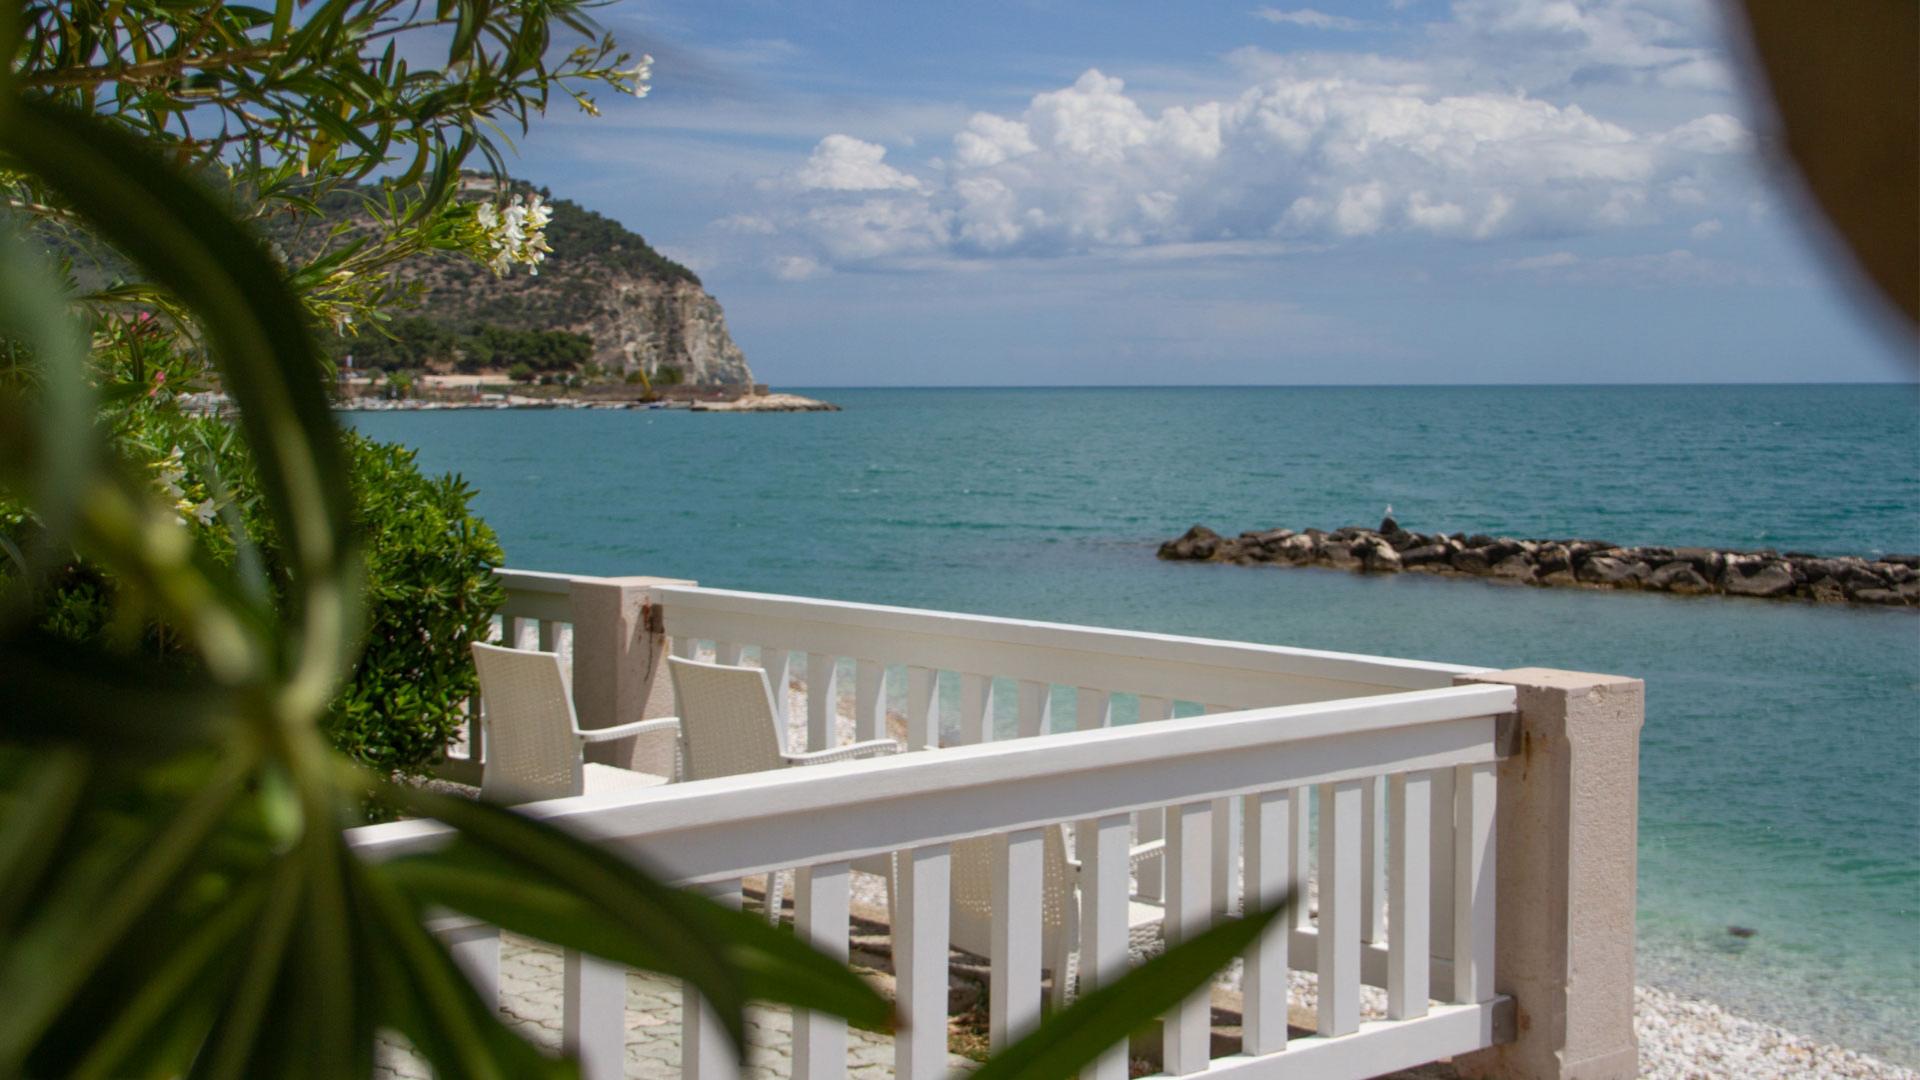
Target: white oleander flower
642,76
515,233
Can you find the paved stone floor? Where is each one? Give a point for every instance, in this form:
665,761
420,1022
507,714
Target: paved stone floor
530,999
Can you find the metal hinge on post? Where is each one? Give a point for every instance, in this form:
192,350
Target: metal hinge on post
653,617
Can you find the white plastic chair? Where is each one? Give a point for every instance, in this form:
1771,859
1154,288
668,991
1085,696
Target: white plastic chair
532,738
728,726
970,916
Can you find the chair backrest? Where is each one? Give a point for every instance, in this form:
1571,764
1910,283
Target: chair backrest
527,721
970,917
727,722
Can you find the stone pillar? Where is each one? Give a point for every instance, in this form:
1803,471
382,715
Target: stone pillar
619,668
1567,826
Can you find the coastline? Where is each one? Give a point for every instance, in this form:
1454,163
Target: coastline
751,403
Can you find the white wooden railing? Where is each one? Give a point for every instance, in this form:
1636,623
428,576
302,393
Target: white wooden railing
1366,783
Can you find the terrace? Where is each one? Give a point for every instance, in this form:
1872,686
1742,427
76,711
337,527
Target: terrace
1461,839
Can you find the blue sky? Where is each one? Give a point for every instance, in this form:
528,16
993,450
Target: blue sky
1402,191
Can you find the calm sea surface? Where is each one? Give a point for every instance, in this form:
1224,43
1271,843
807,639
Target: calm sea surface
1780,776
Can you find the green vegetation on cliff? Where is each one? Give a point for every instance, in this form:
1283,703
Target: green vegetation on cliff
465,316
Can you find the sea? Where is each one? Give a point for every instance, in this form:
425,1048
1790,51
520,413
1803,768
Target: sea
1780,762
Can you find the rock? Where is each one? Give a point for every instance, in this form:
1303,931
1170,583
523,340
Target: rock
1878,596
1428,553
1388,526
1559,577
1517,567
1198,542
1478,540
1706,560
1472,560
1295,549
1742,931
1758,578
1679,576
1379,558
1338,553
1552,558
1828,591
1609,570
1911,562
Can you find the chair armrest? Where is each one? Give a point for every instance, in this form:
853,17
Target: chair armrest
850,752
1136,855
625,731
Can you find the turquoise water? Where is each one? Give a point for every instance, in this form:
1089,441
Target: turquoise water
1782,748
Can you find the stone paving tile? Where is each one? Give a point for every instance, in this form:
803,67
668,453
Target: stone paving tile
530,999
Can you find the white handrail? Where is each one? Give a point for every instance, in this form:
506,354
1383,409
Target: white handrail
1187,668
714,830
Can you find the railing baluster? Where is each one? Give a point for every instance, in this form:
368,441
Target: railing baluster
1036,708
593,1024
1092,709
976,708
1440,862
683,647
1338,943
1474,788
920,962
820,917
476,949
1226,846
1188,1039
515,629
1300,857
705,1052
778,664
548,635
1269,836
1373,861
1013,992
923,712
1410,805
1104,881
869,699
823,701
726,652
1148,825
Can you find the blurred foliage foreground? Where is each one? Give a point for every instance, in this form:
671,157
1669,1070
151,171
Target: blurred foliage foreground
186,605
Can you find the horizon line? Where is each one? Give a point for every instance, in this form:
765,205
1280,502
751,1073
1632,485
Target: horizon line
1908,383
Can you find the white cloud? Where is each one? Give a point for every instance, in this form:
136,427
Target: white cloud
1550,261
1677,267
795,267
1708,228
844,163
1301,159
1318,148
1310,18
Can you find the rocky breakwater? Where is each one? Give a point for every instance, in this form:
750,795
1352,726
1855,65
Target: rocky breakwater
1688,571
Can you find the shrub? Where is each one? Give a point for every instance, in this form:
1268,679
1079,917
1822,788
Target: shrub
429,590
430,593
520,372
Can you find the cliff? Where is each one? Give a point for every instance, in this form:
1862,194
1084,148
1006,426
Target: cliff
640,310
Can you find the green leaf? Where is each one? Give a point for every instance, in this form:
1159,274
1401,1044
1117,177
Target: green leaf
1074,1038
105,887
34,817
184,239
429,999
728,955
771,964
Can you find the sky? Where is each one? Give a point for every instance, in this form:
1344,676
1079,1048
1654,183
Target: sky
1055,193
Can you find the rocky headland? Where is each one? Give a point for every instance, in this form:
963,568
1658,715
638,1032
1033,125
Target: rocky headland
1594,564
